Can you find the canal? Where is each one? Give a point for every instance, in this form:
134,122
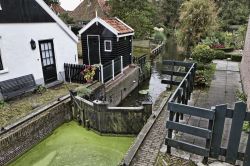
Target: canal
72,145
153,85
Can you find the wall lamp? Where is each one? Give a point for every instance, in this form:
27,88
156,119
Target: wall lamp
33,44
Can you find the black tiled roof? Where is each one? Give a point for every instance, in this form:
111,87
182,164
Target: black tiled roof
23,11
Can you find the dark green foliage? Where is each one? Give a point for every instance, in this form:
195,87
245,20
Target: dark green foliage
197,19
66,18
241,96
48,2
203,54
137,13
40,89
170,12
229,49
200,79
236,58
159,37
233,12
204,75
219,54
2,103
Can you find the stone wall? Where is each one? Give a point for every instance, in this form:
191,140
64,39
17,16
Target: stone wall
23,137
245,66
120,88
112,120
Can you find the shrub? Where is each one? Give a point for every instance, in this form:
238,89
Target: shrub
229,49
2,103
200,79
40,89
83,91
219,54
236,58
203,54
159,37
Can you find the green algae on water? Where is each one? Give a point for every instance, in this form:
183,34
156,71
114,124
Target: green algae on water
72,145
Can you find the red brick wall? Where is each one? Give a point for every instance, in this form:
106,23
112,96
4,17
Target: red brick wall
245,66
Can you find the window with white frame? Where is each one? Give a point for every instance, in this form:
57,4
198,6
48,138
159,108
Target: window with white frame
108,45
1,63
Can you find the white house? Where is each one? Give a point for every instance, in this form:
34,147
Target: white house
33,40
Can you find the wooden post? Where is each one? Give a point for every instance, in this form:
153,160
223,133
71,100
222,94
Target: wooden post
170,131
102,74
171,85
113,69
219,121
208,140
122,64
235,133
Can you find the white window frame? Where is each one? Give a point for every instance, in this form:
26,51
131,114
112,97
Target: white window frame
105,44
3,70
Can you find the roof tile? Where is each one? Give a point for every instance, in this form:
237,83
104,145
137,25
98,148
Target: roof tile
118,25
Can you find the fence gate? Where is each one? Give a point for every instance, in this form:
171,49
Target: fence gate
215,118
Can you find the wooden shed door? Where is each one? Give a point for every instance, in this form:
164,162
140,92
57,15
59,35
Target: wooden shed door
48,61
94,50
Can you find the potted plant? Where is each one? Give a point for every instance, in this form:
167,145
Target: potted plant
89,73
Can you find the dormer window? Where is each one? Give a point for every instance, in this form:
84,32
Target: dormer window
108,45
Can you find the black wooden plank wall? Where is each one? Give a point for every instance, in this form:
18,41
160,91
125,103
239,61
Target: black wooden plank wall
121,47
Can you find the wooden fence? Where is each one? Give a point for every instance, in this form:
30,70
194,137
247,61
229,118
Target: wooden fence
74,73
104,73
141,60
215,116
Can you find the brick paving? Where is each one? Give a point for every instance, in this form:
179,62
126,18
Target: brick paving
148,151
222,90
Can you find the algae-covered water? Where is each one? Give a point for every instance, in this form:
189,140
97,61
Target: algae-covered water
72,145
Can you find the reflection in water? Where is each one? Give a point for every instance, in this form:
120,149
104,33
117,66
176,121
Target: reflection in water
154,85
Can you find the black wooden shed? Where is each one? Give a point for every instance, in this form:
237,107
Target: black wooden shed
104,40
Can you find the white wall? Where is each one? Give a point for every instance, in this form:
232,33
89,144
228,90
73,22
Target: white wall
18,57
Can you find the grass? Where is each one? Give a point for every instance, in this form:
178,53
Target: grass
138,51
13,110
73,145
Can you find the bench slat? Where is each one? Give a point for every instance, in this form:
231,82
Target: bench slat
17,86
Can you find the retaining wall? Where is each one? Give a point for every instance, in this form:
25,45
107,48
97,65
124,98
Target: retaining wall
23,136
120,88
112,120
245,66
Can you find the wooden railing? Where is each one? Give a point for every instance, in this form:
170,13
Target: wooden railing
111,69
177,106
157,50
141,60
74,72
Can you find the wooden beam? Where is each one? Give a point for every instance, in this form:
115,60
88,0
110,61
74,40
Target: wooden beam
187,147
193,130
190,110
169,72
170,82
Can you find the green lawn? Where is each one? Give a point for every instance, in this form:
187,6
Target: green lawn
15,109
72,145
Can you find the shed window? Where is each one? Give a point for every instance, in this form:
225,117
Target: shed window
108,45
1,64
